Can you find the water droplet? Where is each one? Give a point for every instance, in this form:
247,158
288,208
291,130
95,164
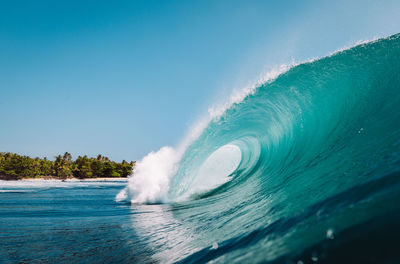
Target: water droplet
214,245
314,257
330,234
300,262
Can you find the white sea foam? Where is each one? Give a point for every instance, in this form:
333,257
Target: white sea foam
152,174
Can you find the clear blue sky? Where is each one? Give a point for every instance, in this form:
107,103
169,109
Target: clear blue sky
123,78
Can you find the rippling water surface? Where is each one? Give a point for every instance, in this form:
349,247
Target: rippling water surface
66,222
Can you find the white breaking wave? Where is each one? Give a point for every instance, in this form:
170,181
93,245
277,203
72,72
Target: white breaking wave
152,174
239,95
150,183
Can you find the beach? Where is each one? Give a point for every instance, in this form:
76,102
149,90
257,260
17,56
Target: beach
74,179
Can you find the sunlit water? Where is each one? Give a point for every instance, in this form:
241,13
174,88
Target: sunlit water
303,169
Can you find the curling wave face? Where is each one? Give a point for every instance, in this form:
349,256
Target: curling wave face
309,153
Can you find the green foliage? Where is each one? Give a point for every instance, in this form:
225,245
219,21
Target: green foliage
14,167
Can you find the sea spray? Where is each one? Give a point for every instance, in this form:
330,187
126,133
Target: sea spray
151,181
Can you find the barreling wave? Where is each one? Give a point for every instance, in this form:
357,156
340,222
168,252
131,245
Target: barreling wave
316,146
153,173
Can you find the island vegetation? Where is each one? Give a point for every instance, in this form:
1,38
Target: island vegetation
16,167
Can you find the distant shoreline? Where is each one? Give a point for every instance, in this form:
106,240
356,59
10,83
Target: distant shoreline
17,167
69,179
77,179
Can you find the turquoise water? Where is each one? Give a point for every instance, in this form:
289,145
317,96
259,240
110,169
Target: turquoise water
304,169
299,163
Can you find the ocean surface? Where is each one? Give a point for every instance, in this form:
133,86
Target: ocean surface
67,222
302,168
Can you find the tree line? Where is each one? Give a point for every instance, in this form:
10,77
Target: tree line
14,167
